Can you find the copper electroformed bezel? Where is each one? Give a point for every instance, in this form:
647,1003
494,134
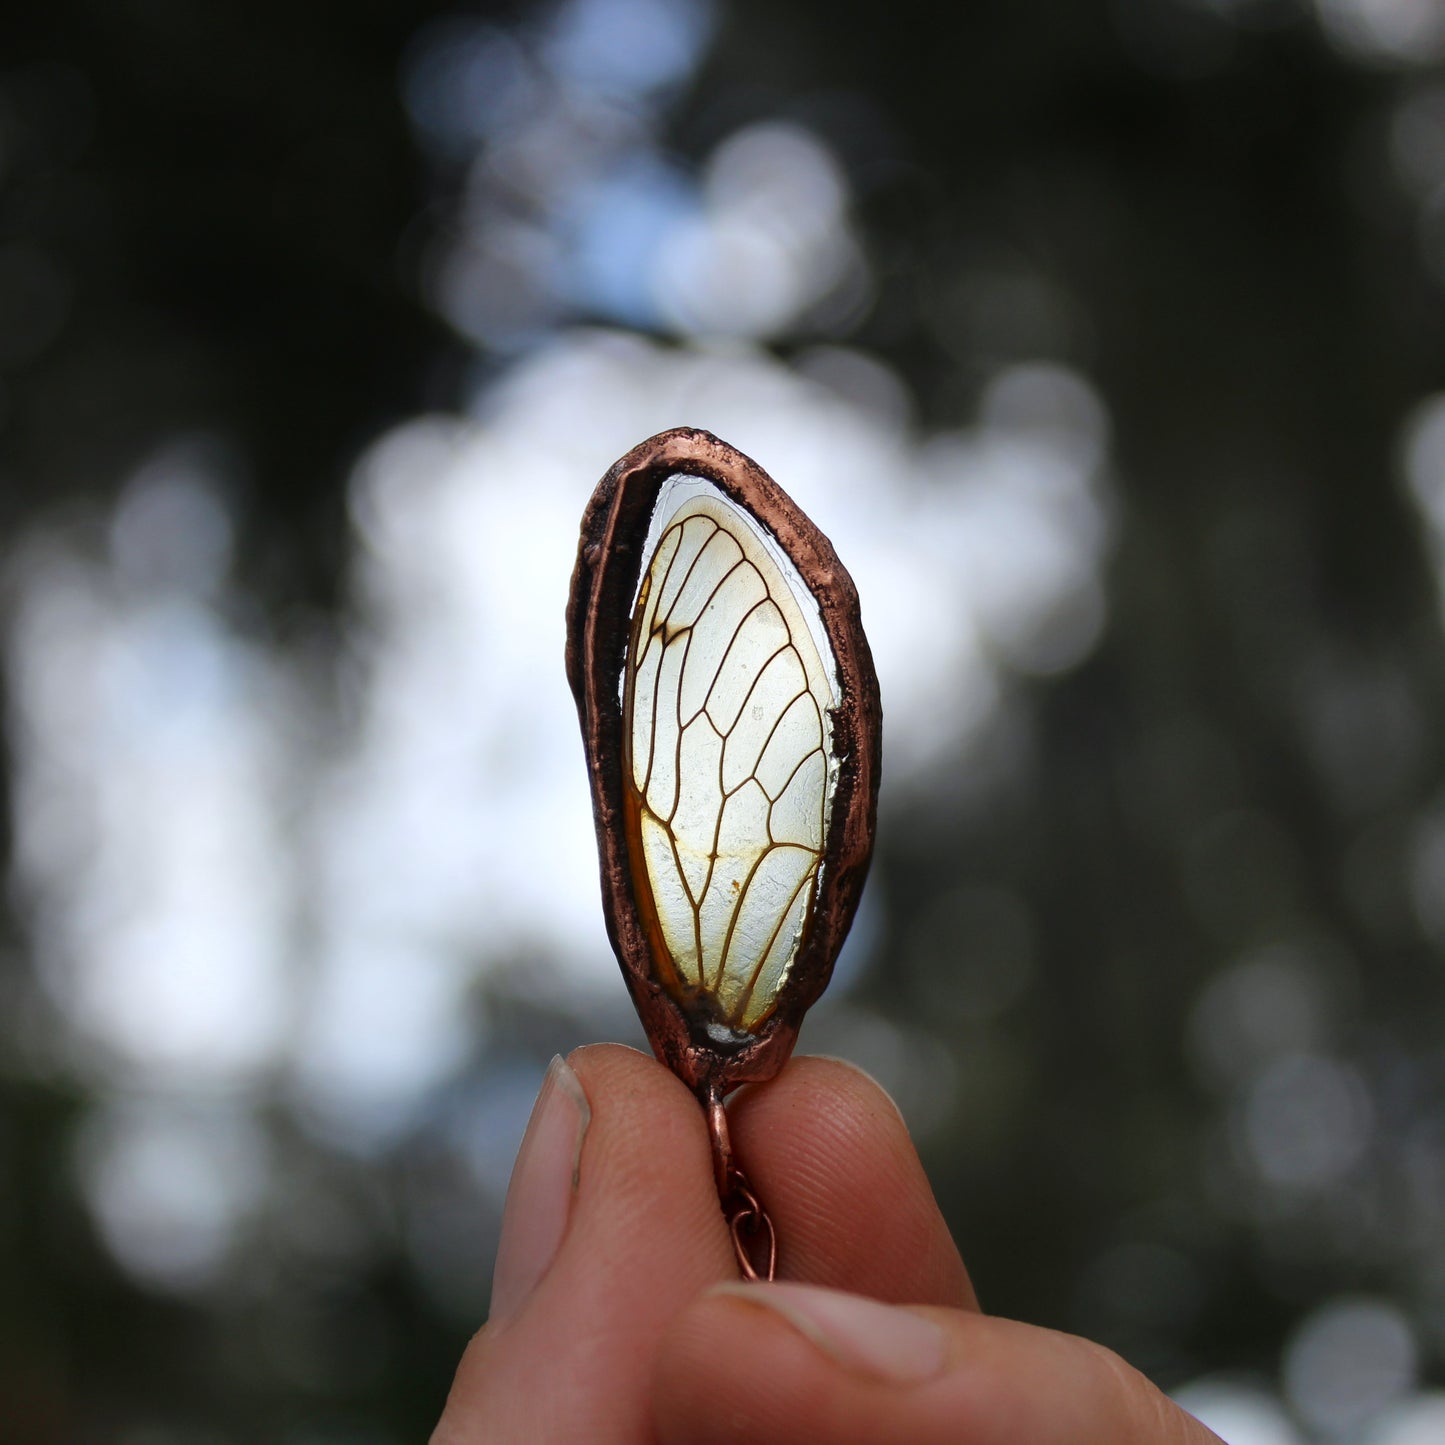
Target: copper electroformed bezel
609,562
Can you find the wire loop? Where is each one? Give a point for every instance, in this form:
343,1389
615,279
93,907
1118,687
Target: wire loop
755,1241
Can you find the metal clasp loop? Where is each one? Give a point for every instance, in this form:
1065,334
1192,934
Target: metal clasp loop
755,1241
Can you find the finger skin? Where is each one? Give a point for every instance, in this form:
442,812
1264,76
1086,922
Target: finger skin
830,1158
733,1373
646,1237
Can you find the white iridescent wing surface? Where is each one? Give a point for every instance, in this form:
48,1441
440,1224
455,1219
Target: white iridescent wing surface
730,768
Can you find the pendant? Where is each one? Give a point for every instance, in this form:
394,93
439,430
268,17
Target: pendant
731,722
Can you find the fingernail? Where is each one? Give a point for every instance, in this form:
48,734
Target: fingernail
544,1183
890,1343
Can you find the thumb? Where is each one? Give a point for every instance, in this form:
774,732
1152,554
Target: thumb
774,1364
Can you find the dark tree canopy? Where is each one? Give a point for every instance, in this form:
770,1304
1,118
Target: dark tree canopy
1156,970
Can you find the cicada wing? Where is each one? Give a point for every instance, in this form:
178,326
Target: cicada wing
727,700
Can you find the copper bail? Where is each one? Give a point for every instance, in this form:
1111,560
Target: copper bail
753,1235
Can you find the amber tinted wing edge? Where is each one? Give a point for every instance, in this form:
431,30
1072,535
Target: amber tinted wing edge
604,582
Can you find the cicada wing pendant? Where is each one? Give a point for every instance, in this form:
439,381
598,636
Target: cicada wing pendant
730,714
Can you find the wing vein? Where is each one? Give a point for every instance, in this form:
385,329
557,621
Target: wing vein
803,882
707,602
753,687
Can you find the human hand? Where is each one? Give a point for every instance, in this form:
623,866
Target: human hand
617,1317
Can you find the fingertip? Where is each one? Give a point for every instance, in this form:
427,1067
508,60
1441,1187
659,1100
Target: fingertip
774,1364
837,1072
646,1176
609,1059
831,1158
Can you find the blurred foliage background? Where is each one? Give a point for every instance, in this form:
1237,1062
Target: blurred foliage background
1107,340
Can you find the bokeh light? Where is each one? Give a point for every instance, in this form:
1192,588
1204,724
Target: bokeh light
1104,346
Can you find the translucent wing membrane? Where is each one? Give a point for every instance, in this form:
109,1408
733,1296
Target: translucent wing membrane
728,754
731,721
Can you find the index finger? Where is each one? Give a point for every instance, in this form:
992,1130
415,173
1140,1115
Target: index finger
830,1158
